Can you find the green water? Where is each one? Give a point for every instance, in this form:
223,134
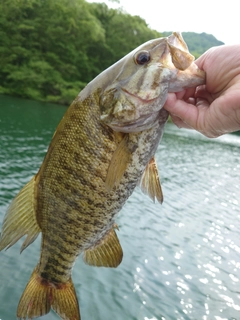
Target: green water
181,259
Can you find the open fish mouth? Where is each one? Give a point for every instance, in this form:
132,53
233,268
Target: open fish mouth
138,98
136,115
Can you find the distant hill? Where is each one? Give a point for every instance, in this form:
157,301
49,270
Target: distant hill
198,43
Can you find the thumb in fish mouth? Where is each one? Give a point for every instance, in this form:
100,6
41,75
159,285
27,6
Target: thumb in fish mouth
133,101
188,75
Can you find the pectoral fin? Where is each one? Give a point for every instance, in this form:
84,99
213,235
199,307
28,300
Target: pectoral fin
118,164
150,182
20,219
108,253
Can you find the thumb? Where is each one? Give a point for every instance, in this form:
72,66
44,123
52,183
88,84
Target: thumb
187,112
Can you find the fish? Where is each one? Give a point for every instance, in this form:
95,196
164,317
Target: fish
103,147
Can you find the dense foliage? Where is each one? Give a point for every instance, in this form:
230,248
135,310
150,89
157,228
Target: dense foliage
50,49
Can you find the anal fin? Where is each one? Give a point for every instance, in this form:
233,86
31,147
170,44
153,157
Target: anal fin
20,219
107,253
150,182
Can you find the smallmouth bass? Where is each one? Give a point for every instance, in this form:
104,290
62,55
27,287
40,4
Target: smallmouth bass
103,147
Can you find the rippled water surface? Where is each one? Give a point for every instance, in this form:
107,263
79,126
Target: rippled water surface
181,259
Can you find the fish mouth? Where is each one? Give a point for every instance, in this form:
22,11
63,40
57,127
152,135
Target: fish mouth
136,101
133,113
144,118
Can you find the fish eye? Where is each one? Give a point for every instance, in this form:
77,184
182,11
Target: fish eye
142,57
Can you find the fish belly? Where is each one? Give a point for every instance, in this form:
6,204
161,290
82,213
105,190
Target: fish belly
74,207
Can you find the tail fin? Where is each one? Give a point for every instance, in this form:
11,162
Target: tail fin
41,295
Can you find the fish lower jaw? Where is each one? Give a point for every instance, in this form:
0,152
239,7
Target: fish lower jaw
143,123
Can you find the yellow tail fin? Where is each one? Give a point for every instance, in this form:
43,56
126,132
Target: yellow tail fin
41,295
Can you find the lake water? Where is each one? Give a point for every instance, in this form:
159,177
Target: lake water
181,259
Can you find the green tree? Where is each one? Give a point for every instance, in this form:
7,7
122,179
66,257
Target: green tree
43,47
123,32
50,49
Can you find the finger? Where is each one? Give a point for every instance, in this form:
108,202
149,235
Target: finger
189,93
180,95
202,93
202,103
187,112
179,123
191,100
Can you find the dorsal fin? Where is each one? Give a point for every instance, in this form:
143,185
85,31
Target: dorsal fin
150,182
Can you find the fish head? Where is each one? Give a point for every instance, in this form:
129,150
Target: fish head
131,102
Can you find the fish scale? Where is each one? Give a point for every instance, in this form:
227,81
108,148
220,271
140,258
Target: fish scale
103,147
71,215
49,261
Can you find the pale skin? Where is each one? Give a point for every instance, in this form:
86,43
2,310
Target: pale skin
212,109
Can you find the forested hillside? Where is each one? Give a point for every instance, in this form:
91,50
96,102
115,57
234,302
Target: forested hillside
49,50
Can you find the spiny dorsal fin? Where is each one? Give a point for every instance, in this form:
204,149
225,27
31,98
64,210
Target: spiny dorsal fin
118,164
108,253
150,182
20,219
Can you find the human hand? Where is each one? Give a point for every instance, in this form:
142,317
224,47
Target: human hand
212,109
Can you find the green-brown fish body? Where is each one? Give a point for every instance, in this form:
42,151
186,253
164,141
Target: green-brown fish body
103,147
